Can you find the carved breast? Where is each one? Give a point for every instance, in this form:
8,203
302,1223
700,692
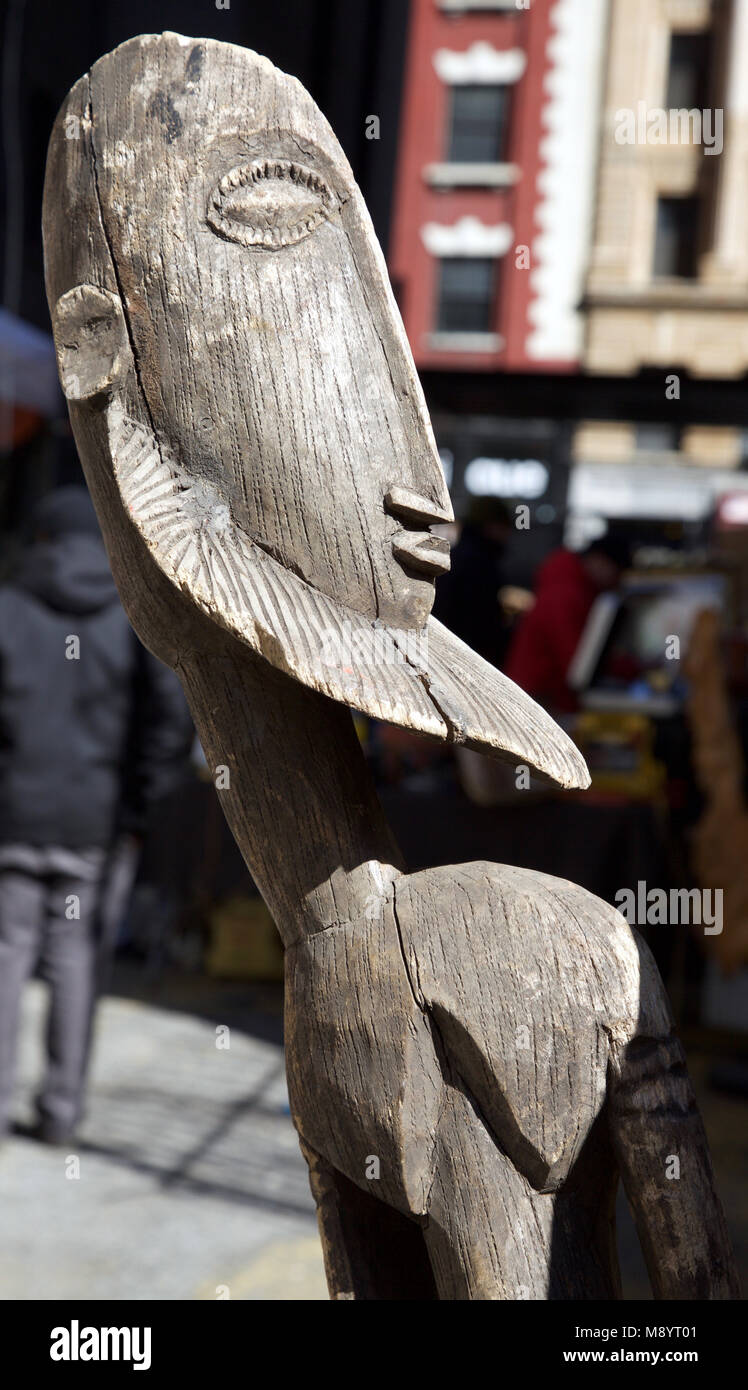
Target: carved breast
527,978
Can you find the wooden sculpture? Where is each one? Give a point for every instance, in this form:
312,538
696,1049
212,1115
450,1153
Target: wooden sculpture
474,1053
719,841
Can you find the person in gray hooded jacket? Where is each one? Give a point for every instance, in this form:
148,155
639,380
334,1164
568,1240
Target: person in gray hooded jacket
93,731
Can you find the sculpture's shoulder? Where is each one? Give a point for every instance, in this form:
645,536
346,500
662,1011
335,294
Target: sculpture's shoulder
530,981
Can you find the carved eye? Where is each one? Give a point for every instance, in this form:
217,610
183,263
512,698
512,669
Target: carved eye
269,203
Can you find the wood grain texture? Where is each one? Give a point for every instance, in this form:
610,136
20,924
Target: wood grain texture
720,837
474,1053
435,685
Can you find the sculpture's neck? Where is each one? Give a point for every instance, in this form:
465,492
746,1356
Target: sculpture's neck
295,790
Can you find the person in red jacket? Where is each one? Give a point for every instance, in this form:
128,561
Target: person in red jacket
566,587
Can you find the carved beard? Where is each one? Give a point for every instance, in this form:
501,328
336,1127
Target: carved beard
427,681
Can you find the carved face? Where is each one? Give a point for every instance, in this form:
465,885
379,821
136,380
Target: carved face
267,345
243,396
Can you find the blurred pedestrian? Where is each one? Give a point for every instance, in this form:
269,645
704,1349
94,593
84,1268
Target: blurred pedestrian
546,639
92,731
467,598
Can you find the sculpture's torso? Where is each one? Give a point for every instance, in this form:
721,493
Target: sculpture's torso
420,1036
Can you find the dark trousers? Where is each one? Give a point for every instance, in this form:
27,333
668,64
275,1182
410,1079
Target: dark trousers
49,920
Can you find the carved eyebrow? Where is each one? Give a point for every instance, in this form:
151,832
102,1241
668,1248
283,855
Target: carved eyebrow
269,203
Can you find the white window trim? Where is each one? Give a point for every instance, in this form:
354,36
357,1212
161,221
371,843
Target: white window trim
451,174
464,342
480,64
460,6
467,237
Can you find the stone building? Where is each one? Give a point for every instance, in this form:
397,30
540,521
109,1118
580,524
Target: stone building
666,292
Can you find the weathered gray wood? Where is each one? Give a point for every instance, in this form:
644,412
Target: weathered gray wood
719,840
472,1052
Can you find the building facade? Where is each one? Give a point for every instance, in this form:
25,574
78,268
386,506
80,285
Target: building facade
571,208
666,292
668,278
495,181
490,235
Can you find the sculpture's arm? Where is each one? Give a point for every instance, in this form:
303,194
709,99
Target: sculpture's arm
370,1250
663,1155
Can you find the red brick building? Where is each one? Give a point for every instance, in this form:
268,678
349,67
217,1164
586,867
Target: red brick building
495,181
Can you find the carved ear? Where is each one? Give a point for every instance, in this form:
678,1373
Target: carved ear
93,349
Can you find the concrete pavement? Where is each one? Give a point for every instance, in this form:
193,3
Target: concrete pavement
190,1181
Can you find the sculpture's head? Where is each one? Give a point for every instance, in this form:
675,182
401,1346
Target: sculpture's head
242,392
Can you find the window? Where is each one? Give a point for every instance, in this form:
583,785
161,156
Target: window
654,438
688,71
465,294
478,128
676,238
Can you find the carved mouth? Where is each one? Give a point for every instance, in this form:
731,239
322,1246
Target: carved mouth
421,551
415,546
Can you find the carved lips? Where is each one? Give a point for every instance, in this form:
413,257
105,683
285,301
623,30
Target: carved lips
417,548
269,203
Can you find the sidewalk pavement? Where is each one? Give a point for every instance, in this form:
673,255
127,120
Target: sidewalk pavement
191,1184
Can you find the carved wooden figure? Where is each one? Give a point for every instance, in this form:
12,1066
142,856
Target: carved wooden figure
474,1053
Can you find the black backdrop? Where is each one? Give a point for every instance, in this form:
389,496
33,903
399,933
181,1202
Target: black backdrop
348,53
